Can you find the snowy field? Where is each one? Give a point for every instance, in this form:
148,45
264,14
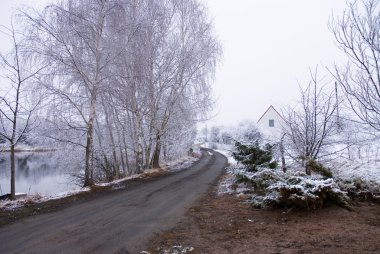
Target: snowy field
368,171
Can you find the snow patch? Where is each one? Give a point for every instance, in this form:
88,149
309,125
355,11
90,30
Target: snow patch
37,198
183,162
177,249
228,154
368,171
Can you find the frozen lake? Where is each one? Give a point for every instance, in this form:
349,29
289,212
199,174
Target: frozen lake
35,173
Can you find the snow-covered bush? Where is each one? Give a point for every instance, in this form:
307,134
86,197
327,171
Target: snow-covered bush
309,193
260,180
358,189
272,188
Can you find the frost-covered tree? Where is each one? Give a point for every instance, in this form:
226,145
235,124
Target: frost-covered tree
72,39
246,132
173,66
215,134
16,106
310,127
357,34
124,77
226,137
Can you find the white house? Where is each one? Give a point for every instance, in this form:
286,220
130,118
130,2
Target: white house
271,124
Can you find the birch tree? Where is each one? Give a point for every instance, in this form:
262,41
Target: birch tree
72,38
196,54
16,108
125,77
170,58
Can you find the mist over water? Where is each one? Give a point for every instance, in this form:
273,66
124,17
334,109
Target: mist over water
36,173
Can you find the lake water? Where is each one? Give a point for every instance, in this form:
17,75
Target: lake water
35,173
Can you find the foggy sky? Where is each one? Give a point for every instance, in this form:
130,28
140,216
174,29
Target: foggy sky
268,49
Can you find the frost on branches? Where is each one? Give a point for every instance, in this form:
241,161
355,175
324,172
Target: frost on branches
273,188
265,186
124,82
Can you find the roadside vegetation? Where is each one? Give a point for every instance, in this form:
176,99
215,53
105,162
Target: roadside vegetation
327,149
257,174
109,85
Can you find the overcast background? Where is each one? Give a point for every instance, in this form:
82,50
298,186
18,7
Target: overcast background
268,49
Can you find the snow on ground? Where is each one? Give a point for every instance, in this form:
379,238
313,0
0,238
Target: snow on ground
228,154
368,171
15,204
226,150
177,249
116,182
183,162
177,165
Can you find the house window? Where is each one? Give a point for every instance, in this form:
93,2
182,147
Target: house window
271,123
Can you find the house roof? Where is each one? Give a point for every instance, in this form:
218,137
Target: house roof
267,111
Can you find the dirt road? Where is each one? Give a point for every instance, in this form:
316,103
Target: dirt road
123,222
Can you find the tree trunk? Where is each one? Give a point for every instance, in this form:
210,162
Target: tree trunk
116,164
89,167
307,166
156,154
88,181
282,151
13,183
122,161
138,146
127,165
129,172
106,167
139,160
147,154
109,125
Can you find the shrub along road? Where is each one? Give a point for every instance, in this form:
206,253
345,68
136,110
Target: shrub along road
121,222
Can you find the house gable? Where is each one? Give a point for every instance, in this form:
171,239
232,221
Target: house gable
271,122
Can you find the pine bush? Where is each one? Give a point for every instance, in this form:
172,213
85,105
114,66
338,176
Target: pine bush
253,156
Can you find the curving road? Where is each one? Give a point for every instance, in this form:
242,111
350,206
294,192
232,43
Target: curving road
122,222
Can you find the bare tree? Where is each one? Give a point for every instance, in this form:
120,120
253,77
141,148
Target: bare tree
357,34
72,37
166,72
125,77
15,107
309,128
184,87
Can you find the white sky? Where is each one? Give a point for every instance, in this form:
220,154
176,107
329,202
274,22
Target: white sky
7,8
268,49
